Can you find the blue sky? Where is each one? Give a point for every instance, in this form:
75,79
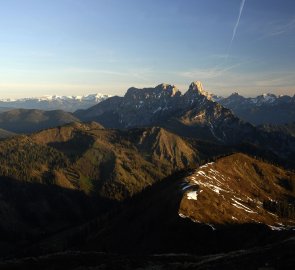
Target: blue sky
75,47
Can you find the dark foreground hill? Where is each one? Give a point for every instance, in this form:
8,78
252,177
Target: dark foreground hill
204,211
165,219
85,188
278,255
30,212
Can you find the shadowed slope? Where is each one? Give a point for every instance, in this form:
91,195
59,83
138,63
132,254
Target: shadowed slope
27,121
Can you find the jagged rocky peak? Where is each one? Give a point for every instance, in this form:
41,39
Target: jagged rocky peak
172,90
266,98
197,85
156,92
235,94
196,88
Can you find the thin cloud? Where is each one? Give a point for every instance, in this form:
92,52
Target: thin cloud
204,74
139,74
280,29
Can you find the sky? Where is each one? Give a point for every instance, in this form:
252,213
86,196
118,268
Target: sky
77,47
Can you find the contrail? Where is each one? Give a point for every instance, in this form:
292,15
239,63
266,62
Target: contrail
234,32
237,23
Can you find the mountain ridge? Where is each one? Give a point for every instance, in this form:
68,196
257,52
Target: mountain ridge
55,102
263,109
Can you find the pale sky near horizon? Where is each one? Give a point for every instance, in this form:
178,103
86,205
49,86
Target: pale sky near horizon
76,47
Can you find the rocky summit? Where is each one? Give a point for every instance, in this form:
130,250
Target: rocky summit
165,106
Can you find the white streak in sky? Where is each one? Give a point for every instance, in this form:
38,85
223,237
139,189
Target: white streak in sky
238,21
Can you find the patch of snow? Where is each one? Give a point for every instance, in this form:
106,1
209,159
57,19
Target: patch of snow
217,189
276,228
211,226
182,215
206,165
271,213
192,195
242,206
201,173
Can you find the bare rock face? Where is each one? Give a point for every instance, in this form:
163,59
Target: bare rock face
197,86
196,89
147,94
162,106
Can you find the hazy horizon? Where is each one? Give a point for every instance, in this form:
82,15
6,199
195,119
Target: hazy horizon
183,89
71,47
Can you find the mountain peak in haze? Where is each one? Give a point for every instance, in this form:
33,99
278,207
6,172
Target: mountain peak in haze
263,109
55,102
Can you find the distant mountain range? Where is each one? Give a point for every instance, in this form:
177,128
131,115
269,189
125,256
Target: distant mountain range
263,109
66,103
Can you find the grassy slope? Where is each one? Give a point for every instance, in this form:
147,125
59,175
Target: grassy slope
234,189
111,163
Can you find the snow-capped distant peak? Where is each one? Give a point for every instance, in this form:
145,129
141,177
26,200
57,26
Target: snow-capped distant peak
54,102
264,98
56,97
96,97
